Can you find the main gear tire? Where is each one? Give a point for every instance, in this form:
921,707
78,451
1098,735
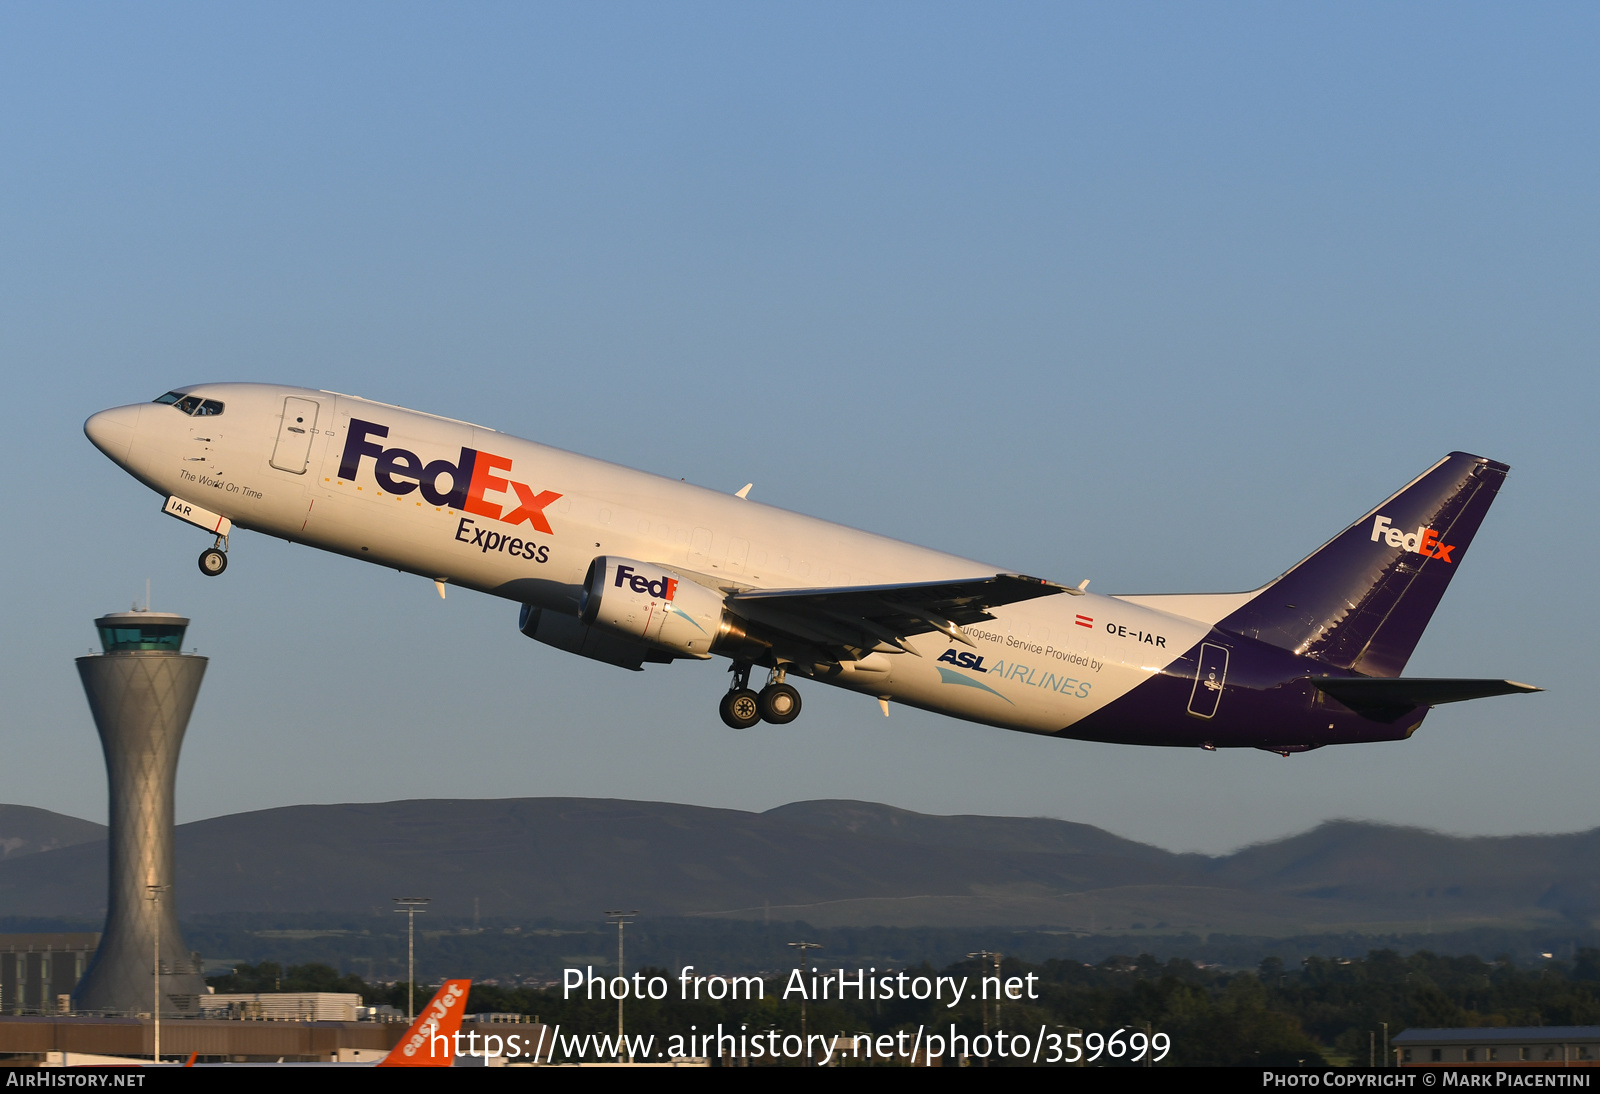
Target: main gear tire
780,704
740,708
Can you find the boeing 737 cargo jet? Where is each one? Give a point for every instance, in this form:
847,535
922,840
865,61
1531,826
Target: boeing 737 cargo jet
632,569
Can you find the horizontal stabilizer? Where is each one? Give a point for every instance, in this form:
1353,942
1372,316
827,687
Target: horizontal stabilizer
1367,693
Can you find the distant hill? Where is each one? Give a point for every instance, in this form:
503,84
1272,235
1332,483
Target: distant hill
25,830
830,863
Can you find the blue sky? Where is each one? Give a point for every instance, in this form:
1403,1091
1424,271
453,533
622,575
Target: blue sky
1158,295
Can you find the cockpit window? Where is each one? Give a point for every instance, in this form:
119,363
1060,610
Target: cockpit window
192,405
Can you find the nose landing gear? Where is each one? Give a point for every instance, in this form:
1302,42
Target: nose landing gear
777,703
214,559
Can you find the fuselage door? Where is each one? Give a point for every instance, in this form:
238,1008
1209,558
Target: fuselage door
1208,680
299,425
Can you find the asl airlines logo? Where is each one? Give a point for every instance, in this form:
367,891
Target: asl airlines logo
663,588
964,658
471,477
1424,541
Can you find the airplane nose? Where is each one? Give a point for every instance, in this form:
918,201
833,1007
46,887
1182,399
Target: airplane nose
112,430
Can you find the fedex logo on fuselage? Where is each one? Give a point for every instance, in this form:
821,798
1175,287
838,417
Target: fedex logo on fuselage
1424,541
663,588
471,477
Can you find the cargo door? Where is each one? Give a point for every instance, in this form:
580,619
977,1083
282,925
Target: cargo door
299,425
1209,679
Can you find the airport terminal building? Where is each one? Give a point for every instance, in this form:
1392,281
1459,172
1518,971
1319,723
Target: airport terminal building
1572,1046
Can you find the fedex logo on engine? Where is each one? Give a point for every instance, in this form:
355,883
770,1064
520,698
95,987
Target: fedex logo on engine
471,477
1424,541
663,588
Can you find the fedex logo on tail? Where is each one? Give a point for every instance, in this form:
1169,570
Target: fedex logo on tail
400,471
663,588
1424,541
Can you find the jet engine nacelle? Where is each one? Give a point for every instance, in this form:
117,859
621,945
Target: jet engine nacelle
567,632
649,603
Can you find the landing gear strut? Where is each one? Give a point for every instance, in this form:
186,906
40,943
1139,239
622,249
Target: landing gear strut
214,559
740,708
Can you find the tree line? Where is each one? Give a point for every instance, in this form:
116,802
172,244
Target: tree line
1326,1011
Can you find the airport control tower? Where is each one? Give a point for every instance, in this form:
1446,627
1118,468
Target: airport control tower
141,691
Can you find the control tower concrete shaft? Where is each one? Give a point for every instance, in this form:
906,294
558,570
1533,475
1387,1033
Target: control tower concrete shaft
141,691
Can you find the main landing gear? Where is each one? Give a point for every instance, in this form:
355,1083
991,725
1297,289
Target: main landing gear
741,708
214,559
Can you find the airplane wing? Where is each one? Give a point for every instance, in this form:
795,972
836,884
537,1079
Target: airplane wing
850,622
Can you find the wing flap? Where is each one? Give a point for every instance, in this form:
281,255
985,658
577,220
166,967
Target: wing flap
851,620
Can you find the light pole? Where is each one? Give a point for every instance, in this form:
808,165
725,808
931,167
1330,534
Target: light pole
803,947
983,1008
411,905
155,1001
621,919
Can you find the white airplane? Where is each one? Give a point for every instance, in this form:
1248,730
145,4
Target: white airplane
632,568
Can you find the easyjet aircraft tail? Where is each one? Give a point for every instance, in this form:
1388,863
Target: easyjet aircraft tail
430,1042
1364,610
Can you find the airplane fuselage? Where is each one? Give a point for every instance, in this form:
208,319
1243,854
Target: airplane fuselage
471,507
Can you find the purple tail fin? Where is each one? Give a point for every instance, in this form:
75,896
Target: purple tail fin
1361,601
